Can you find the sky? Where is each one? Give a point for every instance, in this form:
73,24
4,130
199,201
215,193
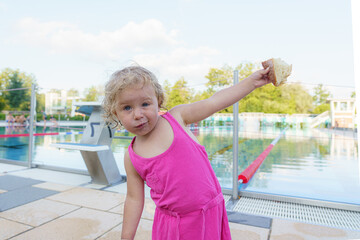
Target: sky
79,43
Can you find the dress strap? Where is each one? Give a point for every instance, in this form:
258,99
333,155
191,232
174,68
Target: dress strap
169,117
173,122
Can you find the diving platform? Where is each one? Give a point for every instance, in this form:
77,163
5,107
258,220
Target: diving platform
95,145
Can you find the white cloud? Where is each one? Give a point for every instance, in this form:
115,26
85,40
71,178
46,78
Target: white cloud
193,64
60,37
133,41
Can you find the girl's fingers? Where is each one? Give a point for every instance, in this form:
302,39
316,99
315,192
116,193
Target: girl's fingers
266,71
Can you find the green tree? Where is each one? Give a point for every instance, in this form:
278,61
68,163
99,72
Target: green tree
218,78
93,93
288,98
7,74
224,77
72,96
16,99
167,89
246,69
180,93
265,99
40,102
20,99
73,92
261,99
321,108
296,98
2,103
321,95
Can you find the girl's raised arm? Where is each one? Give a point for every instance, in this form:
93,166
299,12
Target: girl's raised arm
134,202
200,110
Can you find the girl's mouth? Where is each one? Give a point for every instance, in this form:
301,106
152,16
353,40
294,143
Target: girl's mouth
140,125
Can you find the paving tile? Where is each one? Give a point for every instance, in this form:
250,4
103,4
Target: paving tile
9,229
148,212
118,188
54,186
118,209
90,198
83,223
285,229
143,232
5,168
38,212
94,186
240,232
149,209
22,196
249,219
8,182
113,234
54,176
122,188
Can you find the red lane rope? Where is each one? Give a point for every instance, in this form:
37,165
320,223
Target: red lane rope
26,135
247,174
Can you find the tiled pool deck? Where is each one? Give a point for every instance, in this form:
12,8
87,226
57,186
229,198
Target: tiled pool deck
67,206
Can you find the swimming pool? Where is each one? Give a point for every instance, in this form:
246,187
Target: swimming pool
304,163
308,163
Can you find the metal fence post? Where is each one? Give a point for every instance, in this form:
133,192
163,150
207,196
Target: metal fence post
31,125
235,142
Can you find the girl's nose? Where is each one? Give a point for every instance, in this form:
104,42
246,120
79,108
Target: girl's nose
137,113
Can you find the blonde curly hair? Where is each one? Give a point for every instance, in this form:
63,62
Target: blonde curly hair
122,79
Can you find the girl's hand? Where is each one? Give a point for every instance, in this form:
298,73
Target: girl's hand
260,77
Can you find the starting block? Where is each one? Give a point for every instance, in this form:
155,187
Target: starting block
95,146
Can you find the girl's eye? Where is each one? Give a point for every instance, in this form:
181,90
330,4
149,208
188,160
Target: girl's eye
145,104
127,108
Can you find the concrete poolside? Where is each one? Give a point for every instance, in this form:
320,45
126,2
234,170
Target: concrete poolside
43,204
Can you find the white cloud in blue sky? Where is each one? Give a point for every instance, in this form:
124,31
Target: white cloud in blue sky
77,44
68,38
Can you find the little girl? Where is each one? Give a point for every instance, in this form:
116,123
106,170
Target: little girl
167,156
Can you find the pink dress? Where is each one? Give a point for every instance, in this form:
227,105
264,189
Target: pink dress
187,194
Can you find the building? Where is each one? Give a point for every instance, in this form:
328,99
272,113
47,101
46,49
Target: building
342,112
58,101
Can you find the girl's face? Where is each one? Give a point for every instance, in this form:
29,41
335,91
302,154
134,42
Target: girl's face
137,109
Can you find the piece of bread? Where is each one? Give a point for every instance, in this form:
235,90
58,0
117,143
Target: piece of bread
279,70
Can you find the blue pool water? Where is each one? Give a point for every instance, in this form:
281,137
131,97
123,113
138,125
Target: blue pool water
304,163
